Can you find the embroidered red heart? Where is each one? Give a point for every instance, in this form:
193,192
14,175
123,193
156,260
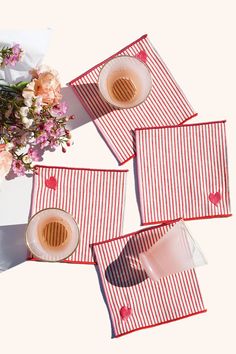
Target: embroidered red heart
215,198
125,312
142,55
51,183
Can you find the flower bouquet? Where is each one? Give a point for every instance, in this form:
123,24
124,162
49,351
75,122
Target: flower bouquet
32,117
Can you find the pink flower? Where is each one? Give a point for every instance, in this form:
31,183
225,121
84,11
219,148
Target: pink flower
14,56
34,154
16,50
44,144
59,110
58,133
2,147
41,138
48,87
54,144
45,84
18,167
5,163
48,125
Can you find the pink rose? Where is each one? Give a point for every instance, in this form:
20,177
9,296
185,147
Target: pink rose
44,84
5,163
2,147
48,87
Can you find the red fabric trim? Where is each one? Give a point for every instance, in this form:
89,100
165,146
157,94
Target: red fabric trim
32,198
158,324
136,232
182,125
64,261
187,119
130,158
104,61
81,169
186,219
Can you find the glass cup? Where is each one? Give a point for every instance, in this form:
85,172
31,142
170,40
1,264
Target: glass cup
52,235
175,252
125,81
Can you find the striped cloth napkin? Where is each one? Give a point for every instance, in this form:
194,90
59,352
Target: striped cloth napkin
95,198
166,104
135,301
183,172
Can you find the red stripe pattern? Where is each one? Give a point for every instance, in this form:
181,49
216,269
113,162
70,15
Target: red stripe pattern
95,198
166,105
151,303
179,168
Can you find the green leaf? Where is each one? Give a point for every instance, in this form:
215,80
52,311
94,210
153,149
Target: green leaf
20,85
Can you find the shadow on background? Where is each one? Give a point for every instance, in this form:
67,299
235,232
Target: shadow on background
13,249
136,186
11,175
76,108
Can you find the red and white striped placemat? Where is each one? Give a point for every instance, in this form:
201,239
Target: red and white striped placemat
135,301
183,172
95,198
166,105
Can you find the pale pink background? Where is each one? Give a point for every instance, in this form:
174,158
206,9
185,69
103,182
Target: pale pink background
58,308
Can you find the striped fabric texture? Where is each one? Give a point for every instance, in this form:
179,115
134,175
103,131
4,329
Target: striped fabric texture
135,301
182,172
166,104
95,198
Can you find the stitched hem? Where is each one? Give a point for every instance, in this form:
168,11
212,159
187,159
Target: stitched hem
136,232
181,124
64,261
82,169
186,219
158,324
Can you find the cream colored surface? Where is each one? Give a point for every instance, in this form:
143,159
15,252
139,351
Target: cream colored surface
58,308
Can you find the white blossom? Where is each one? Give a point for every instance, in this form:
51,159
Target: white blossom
9,146
27,122
38,104
27,159
24,112
28,102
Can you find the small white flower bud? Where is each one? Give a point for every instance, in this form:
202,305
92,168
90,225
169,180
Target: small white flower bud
24,111
27,159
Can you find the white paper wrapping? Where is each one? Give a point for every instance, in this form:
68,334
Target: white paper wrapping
34,43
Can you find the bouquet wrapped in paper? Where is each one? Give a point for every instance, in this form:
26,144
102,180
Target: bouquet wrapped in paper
32,114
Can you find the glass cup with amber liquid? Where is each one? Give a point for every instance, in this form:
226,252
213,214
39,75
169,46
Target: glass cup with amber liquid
52,235
125,82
